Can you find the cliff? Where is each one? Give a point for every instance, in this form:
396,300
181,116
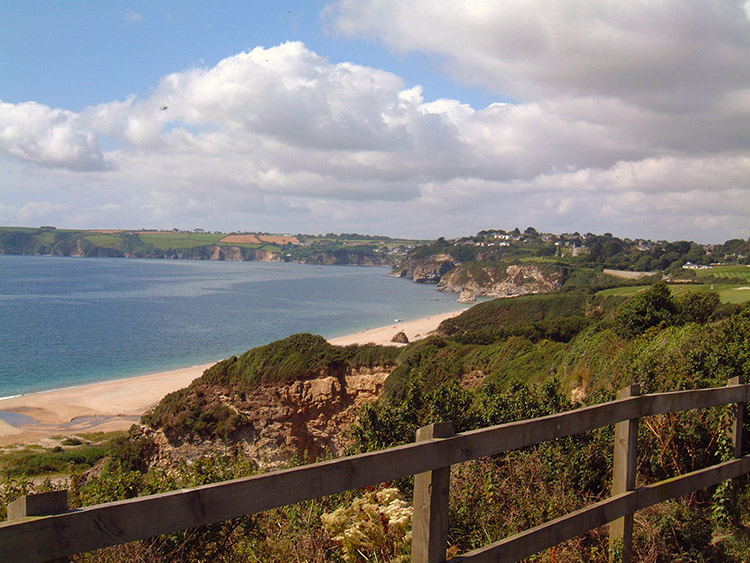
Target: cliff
344,258
293,397
309,419
502,279
360,250
428,269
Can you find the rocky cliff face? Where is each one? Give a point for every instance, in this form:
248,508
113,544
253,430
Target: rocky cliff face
503,281
235,253
345,258
425,270
309,418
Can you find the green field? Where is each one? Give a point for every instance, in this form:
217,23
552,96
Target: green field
735,273
167,240
728,293
105,240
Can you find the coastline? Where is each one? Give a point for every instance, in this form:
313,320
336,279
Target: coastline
117,404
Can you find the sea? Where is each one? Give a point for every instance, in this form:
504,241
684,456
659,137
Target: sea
68,321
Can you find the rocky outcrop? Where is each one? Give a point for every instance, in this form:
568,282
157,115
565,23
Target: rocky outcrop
504,280
400,338
430,269
344,257
309,418
467,296
239,254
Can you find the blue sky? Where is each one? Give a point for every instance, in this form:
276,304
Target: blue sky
420,118
74,54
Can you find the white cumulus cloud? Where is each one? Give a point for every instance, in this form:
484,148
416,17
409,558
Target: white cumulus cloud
47,136
630,118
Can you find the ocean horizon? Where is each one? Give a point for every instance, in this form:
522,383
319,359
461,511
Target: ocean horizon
68,321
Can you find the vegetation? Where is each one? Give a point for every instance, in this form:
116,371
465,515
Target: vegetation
501,361
73,453
201,409
591,261
347,248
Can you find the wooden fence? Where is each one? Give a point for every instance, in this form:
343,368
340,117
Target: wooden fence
41,528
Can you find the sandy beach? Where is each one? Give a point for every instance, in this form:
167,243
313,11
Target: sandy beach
116,405
414,330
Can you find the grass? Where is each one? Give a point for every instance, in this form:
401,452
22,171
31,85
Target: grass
541,260
46,238
737,272
728,293
32,462
734,294
73,453
105,240
165,241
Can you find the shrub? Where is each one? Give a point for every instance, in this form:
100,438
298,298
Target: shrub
654,307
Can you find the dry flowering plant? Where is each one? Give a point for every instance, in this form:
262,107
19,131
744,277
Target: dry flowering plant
375,527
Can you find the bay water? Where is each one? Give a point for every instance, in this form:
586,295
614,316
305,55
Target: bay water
69,321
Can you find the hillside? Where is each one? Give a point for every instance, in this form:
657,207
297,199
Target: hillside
300,398
492,263
344,249
290,397
497,263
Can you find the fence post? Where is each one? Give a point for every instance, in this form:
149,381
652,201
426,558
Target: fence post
738,419
623,479
430,515
40,504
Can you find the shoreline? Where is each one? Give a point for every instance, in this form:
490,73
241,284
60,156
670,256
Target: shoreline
117,404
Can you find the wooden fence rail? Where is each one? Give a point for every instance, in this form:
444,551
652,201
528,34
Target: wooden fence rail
31,535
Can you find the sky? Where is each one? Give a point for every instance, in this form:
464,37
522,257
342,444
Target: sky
409,118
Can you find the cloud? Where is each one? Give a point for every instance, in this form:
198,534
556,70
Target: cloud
132,17
283,139
38,211
669,55
46,136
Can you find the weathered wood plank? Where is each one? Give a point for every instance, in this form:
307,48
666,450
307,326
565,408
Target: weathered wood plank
431,495
623,477
119,522
497,439
95,527
40,504
677,401
571,525
690,482
551,533
737,430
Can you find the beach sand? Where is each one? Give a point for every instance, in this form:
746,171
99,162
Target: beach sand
414,330
116,405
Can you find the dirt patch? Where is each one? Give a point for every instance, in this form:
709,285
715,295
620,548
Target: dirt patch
241,239
627,274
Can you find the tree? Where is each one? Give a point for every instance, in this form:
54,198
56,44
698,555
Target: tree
697,307
654,307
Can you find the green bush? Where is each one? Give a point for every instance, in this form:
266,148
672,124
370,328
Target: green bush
654,307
